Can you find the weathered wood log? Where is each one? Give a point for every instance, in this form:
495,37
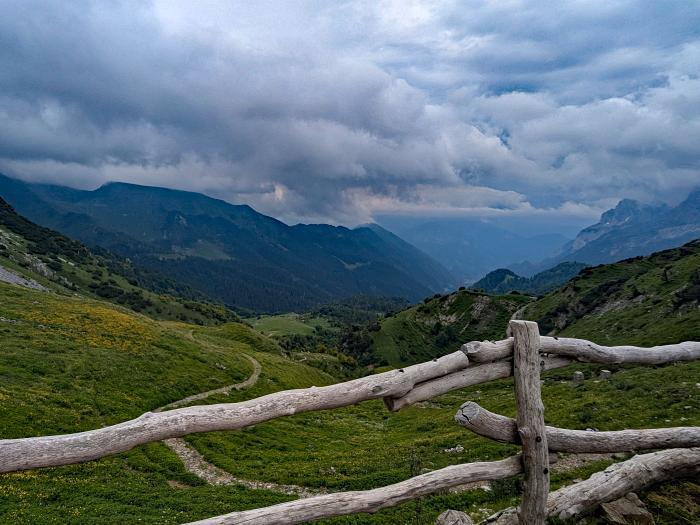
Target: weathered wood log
637,473
470,376
49,451
343,503
485,351
530,421
586,351
501,428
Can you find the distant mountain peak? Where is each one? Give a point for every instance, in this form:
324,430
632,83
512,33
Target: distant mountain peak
632,228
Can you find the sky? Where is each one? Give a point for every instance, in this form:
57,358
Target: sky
342,112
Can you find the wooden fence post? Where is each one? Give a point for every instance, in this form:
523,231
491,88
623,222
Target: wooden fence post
530,420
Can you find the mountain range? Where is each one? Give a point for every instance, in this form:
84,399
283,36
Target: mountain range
630,229
230,252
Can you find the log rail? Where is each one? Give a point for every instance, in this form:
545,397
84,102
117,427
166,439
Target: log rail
475,363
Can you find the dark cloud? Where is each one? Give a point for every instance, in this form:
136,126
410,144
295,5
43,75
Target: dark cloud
341,112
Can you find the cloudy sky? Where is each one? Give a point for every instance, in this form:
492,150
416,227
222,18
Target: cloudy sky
346,111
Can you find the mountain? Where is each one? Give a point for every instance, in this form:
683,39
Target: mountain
642,300
629,230
503,280
231,252
471,248
39,258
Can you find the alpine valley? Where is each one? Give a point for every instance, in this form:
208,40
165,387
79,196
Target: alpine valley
231,252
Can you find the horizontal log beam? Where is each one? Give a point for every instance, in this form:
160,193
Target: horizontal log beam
586,351
343,503
470,376
50,451
635,474
501,428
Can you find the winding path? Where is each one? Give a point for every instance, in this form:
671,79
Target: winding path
222,390
196,464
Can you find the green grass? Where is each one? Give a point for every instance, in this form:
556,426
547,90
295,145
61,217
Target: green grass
364,446
442,324
646,301
288,324
69,364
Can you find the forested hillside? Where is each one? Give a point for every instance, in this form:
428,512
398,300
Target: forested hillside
504,281
231,252
51,260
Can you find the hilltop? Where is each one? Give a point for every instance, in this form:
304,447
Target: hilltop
643,300
439,325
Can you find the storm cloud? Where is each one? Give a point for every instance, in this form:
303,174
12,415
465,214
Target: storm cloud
341,112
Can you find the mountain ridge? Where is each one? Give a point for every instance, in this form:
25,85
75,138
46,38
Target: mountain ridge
231,252
630,229
504,280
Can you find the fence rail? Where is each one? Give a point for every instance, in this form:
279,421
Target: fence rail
524,356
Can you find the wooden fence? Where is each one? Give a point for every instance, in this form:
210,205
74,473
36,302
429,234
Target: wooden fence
523,356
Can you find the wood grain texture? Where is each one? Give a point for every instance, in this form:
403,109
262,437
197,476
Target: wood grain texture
504,429
343,503
473,375
586,351
635,474
530,422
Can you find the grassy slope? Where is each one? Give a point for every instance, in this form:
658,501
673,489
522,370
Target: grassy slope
70,364
414,334
645,300
288,324
356,447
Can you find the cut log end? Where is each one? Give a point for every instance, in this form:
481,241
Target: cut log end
467,413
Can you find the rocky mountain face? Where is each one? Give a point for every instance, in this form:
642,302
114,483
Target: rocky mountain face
632,229
231,252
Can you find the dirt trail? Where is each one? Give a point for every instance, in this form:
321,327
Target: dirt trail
222,390
196,464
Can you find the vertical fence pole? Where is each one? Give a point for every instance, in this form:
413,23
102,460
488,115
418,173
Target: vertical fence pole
530,420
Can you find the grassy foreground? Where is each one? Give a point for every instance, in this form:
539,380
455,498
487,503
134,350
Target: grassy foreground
69,364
